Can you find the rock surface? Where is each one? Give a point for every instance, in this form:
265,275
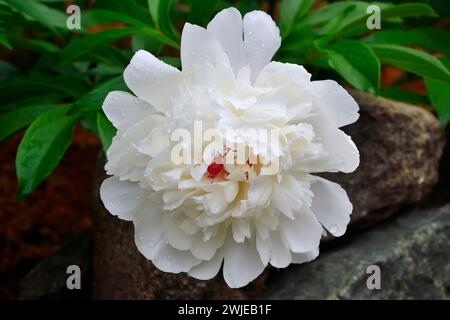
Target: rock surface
411,250
400,149
48,279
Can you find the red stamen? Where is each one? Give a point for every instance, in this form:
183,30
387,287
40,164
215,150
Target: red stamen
214,169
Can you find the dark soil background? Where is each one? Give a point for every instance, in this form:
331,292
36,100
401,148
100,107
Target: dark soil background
35,227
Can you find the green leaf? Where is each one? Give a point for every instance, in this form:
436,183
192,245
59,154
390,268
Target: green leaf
299,39
160,13
244,6
431,38
39,84
412,60
356,63
4,41
173,61
142,41
39,46
408,10
106,130
399,94
82,46
290,11
42,147
131,8
28,101
108,54
19,118
439,93
357,17
327,13
51,18
201,11
96,17
93,100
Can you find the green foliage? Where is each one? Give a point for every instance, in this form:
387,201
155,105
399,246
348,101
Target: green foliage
290,11
19,118
356,63
201,11
336,37
412,60
439,92
70,72
160,12
42,148
105,129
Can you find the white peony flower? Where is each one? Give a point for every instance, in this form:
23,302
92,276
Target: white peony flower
192,217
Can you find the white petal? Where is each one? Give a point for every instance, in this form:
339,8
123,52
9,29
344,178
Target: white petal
199,46
124,109
306,256
242,263
341,148
226,27
260,191
303,233
331,206
231,190
263,247
207,269
261,40
121,198
125,158
276,74
148,228
172,260
336,102
151,79
176,237
274,250
205,250
280,256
